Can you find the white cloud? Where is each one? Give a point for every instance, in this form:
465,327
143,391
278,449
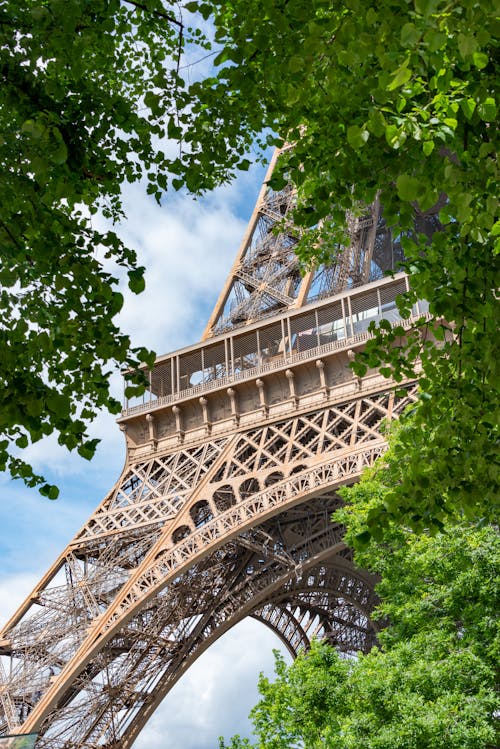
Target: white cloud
187,248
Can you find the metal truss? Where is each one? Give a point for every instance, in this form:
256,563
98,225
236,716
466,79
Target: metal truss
266,277
186,545
224,507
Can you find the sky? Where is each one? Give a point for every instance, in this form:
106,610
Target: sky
187,247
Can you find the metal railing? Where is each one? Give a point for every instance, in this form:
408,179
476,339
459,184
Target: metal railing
257,371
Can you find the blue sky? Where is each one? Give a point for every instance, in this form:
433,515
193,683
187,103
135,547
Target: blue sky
187,247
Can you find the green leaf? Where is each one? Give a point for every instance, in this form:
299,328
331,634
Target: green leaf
487,109
376,123
41,14
136,283
53,492
154,102
49,490
34,128
87,449
426,7
467,45
394,136
57,146
401,76
410,35
174,131
362,539
408,187
296,63
434,39
480,60
468,106
357,137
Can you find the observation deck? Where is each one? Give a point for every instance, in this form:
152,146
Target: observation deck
287,360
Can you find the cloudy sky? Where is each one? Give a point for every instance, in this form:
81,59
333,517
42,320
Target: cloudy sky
187,247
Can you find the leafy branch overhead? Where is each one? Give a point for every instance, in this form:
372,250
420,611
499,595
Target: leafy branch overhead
72,133
395,100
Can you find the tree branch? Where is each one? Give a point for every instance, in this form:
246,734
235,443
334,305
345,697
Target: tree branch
159,13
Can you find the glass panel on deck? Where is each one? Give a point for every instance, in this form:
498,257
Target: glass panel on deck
388,295
245,352
272,344
214,362
365,309
331,323
190,369
161,379
304,332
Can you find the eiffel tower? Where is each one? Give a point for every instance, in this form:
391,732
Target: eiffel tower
223,509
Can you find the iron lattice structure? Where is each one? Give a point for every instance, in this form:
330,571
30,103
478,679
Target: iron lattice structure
224,506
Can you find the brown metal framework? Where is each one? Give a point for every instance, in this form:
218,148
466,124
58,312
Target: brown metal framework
266,277
224,506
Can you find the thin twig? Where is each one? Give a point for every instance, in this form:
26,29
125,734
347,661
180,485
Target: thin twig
159,13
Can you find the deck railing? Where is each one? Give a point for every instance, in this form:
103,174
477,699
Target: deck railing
259,350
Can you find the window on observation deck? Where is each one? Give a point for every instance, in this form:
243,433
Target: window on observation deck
271,343
304,332
245,350
214,362
364,309
331,323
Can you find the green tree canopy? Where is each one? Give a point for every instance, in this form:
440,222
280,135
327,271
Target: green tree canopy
72,133
390,99
91,92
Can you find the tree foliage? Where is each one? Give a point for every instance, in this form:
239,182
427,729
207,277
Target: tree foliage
91,92
432,682
72,132
390,99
